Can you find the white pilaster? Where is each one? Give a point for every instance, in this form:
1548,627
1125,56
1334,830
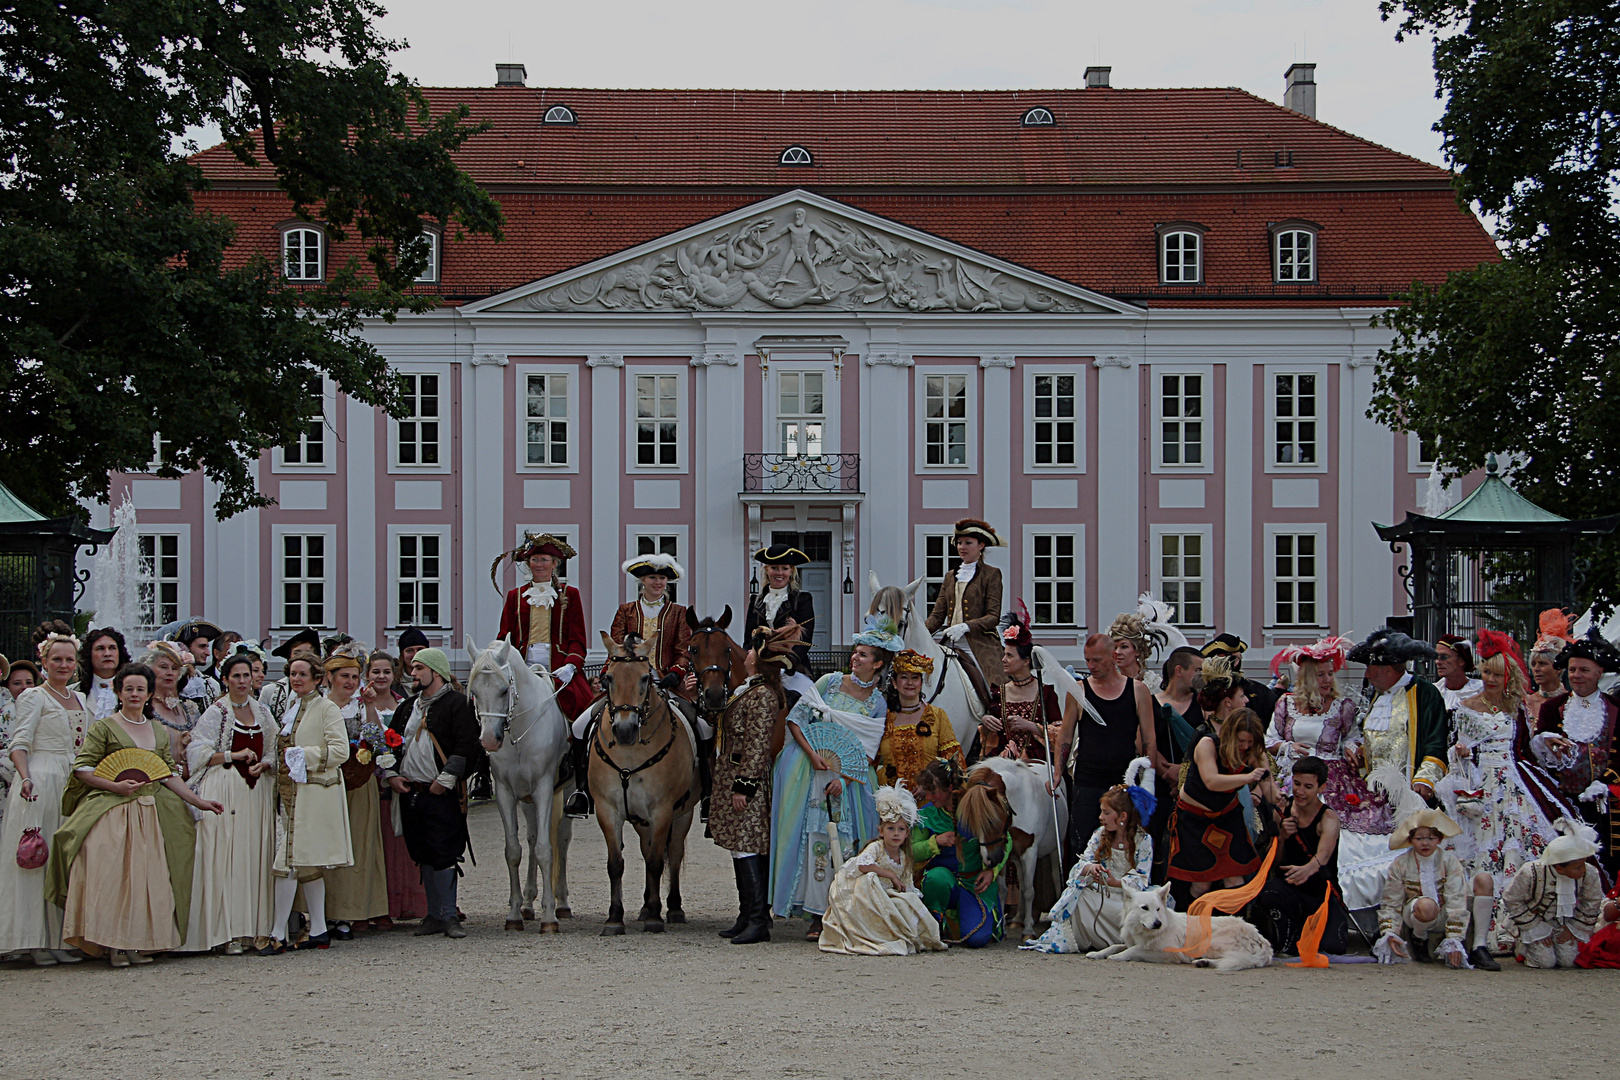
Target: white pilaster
607,405
363,478
885,532
1366,451
483,496
718,554
1119,488
1239,526
995,459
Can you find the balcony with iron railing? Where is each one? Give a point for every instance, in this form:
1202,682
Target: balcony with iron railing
835,477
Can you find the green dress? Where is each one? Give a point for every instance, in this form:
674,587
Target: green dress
83,806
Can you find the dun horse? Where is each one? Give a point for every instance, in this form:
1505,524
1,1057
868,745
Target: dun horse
643,769
526,735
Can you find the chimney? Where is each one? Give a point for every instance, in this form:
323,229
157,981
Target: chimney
1299,89
510,75
1097,77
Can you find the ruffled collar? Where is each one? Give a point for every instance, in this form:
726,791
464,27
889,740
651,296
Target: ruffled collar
965,572
774,599
541,594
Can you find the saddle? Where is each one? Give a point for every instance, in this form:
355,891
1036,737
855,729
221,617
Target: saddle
970,667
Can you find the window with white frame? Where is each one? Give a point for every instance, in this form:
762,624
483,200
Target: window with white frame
945,412
302,253
560,114
428,244
1054,560
310,449
1296,586
545,418
1181,418
1295,408
157,587
1181,258
658,427
661,544
1295,254
162,454
1055,418
417,580
1428,449
801,413
939,561
417,436
1182,564
303,579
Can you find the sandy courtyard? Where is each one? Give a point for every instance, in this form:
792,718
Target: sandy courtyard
686,1003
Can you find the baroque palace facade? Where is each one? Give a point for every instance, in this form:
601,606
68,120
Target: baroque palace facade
1130,328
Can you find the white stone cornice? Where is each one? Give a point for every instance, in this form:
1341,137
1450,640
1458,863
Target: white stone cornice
1113,361
879,355
710,357
494,359
1001,360
596,360
1364,361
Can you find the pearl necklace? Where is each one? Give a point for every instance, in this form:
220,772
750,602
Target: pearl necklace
124,716
856,679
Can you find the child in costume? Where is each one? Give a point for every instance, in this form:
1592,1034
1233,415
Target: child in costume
1555,901
873,908
1091,912
1425,895
1602,949
963,895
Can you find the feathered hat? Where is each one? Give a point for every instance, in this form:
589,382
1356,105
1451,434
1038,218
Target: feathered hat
533,544
1215,675
912,662
1014,627
896,804
1392,648
1422,819
1555,634
1593,647
1576,842
656,563
880,632
1140,796
347,653
1331,651
1495,643
979,530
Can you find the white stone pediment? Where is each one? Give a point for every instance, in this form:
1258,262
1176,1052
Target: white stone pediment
800,252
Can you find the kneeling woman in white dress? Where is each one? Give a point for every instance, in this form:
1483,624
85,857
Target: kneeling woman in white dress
1091,912
233,761
873,908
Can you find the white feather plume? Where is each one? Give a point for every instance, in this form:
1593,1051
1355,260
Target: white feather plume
1391,780
1575,827
1161,616
896,804
1138,770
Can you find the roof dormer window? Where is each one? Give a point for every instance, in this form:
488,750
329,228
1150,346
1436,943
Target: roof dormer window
1038,117
795,155
560,114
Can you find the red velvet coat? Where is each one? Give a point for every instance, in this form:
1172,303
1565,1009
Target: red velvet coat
568,642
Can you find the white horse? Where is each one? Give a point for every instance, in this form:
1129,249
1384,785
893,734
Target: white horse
956,697
1037,813
526,735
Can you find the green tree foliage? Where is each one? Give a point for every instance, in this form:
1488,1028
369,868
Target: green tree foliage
1515,356
123,311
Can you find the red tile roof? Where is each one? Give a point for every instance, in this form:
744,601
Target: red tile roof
1078,201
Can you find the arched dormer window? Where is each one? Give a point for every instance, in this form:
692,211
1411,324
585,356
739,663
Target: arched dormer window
1294,251
560,114
303,252
795,155
1181,253
1038,117
429,242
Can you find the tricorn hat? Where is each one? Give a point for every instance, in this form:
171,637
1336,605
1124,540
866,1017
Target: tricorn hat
1225,645
979,530
196,628
781,555
1422,819
1594,647
656,563
307,636
1391,647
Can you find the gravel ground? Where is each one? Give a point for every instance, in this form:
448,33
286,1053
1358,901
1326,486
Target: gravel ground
686,1003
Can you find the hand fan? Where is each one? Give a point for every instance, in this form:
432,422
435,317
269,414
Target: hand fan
132,763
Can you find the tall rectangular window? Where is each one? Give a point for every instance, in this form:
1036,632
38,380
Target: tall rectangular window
657,420
1053,574
1296,255
1182,419
1181,576
1055,419
303,579
158,578
801,413
1295,419
1180,261
545,437
310,449
939,561
301,254
945,406
1295,579
419,433
661,544
428,244
418,580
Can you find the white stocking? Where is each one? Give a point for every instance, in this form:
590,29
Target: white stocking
315,900
286,890
1483,907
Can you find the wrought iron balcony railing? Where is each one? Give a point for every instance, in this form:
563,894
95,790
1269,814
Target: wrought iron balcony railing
794,474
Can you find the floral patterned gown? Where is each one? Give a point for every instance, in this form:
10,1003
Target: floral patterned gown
1360,808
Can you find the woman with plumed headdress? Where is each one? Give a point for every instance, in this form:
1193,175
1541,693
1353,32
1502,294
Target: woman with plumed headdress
1313,720
1546,681
825,766
1025,718
968,607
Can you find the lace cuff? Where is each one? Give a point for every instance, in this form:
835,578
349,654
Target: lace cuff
1385,952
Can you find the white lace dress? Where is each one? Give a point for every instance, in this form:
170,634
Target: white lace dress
868,916
1091,915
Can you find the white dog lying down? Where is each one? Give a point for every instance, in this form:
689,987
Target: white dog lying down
1152,928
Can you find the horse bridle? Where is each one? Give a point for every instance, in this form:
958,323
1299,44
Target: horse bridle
724,669
511,704
640,713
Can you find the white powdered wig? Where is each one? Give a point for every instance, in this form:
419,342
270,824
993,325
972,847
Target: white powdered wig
896,804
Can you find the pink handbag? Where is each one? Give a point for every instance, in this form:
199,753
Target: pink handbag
31,850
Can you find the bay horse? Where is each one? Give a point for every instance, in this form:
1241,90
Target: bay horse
718,662
526,735
643,769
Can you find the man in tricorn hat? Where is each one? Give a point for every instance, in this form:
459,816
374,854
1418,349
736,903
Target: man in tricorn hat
1405,725
198,637
1576,739
545,621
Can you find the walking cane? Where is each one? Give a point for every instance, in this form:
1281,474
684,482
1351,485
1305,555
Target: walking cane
1051,762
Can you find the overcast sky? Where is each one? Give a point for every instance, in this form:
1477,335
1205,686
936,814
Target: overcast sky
1367,83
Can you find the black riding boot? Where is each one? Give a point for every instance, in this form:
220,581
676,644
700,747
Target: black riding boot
705,777
756,895
742,901
578,804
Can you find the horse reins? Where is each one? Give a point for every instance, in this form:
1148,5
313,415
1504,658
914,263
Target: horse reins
640,712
